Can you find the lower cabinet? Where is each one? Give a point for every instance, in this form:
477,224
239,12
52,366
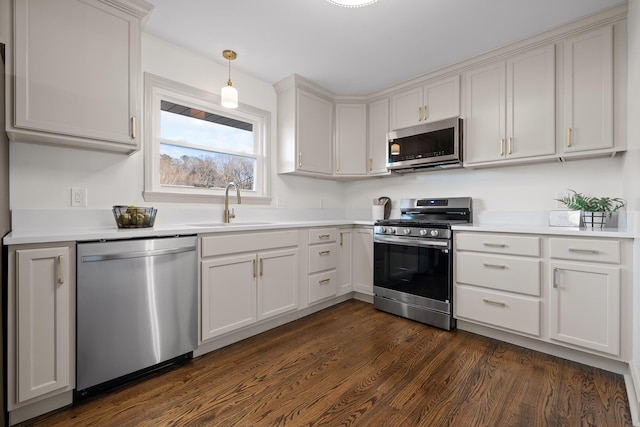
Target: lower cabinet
363,260
40,323
345,261
245,278
563,290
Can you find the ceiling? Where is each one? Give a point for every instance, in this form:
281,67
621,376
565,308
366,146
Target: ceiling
355,50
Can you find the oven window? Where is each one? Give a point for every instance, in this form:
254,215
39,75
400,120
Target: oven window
414,270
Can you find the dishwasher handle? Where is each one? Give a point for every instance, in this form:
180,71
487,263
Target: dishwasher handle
137,254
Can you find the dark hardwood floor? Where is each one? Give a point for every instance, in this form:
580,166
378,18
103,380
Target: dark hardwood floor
351,365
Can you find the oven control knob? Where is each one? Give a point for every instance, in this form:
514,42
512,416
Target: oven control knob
433,233
392,231
423,232
383,230
406,231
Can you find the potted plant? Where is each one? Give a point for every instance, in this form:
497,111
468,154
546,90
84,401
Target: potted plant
594,210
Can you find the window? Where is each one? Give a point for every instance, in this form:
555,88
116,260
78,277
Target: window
194,147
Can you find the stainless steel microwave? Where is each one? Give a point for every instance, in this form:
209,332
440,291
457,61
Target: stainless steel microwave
435,144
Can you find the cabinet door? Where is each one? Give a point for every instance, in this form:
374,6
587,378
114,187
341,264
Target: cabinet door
531,113
77,72
406,108
485,120
442,99
584,304
314,133
588,91
363,260
344,260
277,282
351,139
377,137
43,321
228,294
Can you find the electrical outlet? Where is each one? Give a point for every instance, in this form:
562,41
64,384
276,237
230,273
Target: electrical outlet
78,197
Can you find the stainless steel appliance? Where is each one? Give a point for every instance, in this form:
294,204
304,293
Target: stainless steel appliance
413,260
430,145
136,308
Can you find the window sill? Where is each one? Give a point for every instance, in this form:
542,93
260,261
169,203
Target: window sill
153,196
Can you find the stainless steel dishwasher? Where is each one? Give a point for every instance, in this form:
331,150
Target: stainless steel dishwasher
136,308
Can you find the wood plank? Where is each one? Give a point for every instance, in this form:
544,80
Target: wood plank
353,365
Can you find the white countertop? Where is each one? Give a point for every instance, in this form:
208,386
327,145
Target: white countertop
69,234
545,229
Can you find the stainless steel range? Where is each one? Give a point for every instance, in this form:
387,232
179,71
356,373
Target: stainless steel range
413,260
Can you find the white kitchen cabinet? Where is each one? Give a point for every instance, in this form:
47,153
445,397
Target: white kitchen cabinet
588,91
363,260
344,261
437,100
510,108
41,323
351,139
377,137
585,293
305,128
77,73
246,278
323,263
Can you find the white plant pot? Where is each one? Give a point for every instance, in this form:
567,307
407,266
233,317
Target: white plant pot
593,219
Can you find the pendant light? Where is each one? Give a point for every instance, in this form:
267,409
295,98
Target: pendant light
352,3
229,94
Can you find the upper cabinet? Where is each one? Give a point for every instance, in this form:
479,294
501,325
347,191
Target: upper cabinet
510,108
437,100
305,128
377,137
351,139
588,91
77,73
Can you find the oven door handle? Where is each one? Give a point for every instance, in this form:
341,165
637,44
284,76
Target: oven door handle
408,241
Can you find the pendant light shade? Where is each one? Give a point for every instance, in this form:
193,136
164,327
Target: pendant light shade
229,94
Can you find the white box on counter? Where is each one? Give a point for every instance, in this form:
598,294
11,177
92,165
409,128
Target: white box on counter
564,218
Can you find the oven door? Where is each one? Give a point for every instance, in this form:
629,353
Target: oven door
415,271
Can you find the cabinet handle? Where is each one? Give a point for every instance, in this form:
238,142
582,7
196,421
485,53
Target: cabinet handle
584,251
426,114
324,236
261,267
133,128
254,269
500,266
341,239
502,146
568,137
419,114
337,164
324,252
495,245
370,165
324,281
555,277
509,141
300,159
60,269
492,302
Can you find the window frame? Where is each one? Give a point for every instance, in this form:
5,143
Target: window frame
157,88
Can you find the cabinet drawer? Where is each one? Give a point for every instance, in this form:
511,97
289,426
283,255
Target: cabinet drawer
498,243
512,274
247,242
322,235
518,313
322,257
593,250
322,285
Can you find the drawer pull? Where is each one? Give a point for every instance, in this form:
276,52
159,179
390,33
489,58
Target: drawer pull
492,302
324,236
495,245
555,277
60,269
324,252
500,266
324,281
584,251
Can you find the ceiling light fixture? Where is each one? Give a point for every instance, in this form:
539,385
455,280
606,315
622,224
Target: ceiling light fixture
352,3
229,94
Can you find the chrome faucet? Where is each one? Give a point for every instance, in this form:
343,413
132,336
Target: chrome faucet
230,214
